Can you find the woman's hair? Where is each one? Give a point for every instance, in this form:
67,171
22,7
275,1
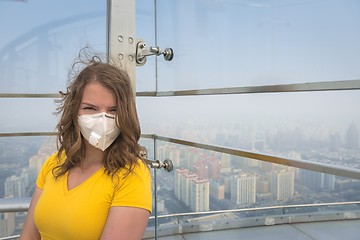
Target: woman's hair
124,151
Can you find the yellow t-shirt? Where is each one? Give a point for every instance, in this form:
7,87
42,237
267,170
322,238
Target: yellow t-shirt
80,213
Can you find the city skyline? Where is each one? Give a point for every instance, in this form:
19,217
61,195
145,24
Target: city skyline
216,181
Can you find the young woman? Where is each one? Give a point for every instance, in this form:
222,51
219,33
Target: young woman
96,186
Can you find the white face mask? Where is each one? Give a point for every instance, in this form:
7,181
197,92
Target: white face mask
99,129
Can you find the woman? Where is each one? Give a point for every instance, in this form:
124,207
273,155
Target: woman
96,186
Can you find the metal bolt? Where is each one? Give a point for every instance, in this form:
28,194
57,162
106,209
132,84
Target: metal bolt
142,45
120,56
131,58
120,38
131,40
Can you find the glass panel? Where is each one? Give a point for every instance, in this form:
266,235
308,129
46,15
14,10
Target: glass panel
40,40
20,161
247,43
318,126
153,155
27,115
204,181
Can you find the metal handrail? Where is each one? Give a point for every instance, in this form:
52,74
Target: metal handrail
14,204
15,237
313,166
28,134
282,207
30,95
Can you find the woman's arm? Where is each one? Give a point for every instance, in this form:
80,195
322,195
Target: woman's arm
125,223
29,230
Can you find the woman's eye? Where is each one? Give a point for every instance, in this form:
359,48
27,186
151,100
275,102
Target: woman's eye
89,108
113,110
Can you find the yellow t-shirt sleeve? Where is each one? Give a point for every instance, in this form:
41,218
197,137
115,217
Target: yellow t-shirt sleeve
135,189
49,164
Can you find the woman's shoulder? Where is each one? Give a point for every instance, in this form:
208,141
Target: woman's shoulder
138,168
54,160
50,163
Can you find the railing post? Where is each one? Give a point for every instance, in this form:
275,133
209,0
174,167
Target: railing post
155,192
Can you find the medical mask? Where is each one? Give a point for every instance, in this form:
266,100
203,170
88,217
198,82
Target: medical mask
99,129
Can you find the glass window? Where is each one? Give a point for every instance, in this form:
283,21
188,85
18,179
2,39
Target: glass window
21,159
317,126
145,31
250,43
27,115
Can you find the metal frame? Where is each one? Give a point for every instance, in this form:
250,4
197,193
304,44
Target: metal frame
28,134
121,42
30,95
296,87
14,204
282,88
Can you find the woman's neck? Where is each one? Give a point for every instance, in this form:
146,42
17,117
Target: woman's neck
93,156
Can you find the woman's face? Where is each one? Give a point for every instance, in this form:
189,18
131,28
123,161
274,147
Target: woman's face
96,99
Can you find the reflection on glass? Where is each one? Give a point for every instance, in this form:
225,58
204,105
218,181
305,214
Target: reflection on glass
36,49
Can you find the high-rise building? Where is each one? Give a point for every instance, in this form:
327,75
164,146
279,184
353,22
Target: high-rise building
214,168
317,180
182,185
262,185
178,181
185,183
243,189
37,161
199,194
192,190
226,180
15,186
163,152
29,177
225,163
191,157
217,191
7,224
175,157
282,184
201,167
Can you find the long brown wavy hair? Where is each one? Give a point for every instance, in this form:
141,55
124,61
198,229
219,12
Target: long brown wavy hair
124,152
